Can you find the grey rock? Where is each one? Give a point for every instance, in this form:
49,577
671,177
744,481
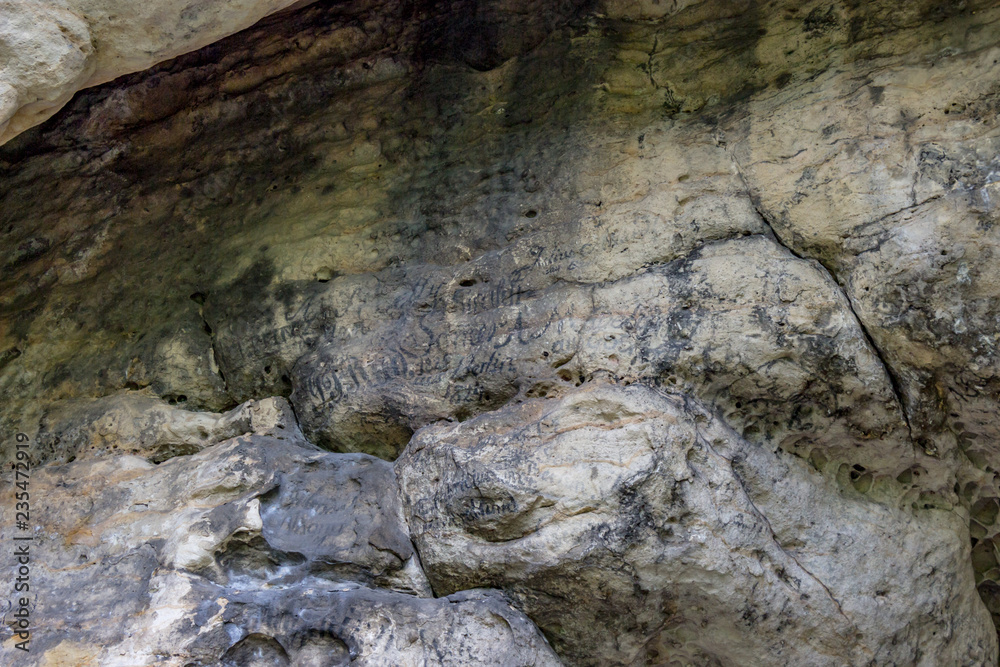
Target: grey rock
425,217
764,335
635,528
136,555
365,626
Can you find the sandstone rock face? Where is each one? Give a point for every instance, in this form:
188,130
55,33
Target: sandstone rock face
52,48
257,550
674,323
465,344
147,426
633,527
911,238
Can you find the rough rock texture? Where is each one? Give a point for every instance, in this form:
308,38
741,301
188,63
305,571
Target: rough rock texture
634,527
763,233
693,322
147,426
261,547
49,49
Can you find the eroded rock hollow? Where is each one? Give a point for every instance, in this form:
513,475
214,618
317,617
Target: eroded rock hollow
500,332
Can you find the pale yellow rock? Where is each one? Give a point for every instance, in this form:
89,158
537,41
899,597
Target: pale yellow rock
49,49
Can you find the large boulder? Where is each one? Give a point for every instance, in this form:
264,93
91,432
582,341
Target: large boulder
257,550
635,528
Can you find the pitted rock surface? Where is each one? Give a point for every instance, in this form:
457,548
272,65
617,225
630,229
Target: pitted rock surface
633,526
52,48
761,235
203,560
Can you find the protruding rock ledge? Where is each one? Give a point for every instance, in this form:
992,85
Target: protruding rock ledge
53,48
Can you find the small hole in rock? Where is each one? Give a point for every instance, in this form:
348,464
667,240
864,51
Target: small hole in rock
531,213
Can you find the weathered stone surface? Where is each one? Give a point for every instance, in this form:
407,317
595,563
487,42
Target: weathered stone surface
143,425
635,528
253,541
741,322
401,216
911,236
52,48
381,628
342,515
